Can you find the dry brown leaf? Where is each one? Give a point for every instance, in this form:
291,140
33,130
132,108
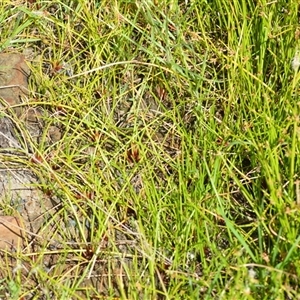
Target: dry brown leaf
11,232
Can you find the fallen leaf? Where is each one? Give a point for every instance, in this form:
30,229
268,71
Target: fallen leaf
11,232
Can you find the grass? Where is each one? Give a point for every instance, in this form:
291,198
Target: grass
177,173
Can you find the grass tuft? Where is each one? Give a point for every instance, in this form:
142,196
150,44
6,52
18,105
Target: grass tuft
170,149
